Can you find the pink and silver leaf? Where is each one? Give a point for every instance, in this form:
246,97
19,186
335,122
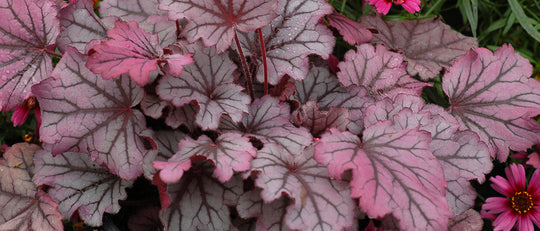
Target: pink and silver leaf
352,32
470,220
215,21
270,216
393,172
199,201
28,30
79,25
78,184
268,121
320,203
290,39
493,95
317,122
209,81
22,206
428,45
167,144
82,112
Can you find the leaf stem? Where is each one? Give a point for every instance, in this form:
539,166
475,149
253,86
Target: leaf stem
53,53
263,51
249,83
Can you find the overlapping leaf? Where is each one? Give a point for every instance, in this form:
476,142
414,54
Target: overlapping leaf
215,21
320,203
199,201
492,95
268,121
80,185
167,145
317,122
79,25
135,51
393,172
469,220
154,107
28,29
230,151
428,45
82,112
352,32
22,206
290,38
270,216
210,82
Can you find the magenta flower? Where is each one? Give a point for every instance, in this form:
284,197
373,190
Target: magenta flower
383,6
22,111
520,204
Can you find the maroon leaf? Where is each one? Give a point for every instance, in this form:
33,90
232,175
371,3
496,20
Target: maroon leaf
27,30
270,216
492,95
79,25
167,145
145,219
80,185
82,112
352,32
320,203
311,118
428,45
393,171
268,121
209,82
215,21
230,151
23,206
199,201
290,38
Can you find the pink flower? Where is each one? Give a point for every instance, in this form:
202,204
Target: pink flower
21,112
383,6
520,204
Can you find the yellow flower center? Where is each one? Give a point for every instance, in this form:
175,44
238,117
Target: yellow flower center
522,202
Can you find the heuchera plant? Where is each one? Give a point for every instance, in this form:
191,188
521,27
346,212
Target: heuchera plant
237,111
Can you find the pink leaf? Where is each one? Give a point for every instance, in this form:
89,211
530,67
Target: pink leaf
167,144
319,202
82,112
23,206
393,171
268,121
77,184
492,95
311,118
270,216
215,21
352,32
199,202
28,28
209,82
131,50
79,25
154,107
230,151
469,220
290,38
428,45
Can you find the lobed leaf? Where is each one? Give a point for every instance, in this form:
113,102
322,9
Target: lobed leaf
352,32
82,112
492,95
80,185
167,144
317,122
28,29
270,216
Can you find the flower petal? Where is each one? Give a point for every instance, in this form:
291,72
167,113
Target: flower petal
502,186
411,6
496,205
534,186
505,221
534,215
516,176
525,223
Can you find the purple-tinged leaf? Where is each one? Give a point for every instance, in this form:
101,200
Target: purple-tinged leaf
393,172
82,112
268,121
210,82
492,95
167,145
290,39
79,25
270,216
154,107
27,30
22,206
132,50
230,151
320,203
311,118
428,45
215,21
78,184
145,219
199,201
469,220
352,32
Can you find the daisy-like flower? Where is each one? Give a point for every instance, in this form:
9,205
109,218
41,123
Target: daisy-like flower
520,204
383,6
